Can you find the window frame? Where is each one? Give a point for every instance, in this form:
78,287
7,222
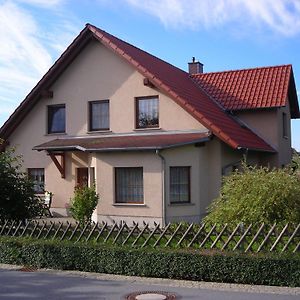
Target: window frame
189,186
29,170
116,200
49,123
90,105
137,99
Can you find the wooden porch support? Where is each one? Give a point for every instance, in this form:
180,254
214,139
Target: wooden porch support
59,165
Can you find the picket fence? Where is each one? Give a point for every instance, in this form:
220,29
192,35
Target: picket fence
252,238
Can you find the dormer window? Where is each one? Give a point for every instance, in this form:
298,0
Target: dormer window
147,112
57,118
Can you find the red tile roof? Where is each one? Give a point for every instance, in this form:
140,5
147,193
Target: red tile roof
248,89
125,142
166,77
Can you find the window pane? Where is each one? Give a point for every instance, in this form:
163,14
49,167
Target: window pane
99,115
147,112
179,184
38,178
129,185
56,119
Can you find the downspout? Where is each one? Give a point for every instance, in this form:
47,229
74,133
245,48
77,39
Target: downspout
163,181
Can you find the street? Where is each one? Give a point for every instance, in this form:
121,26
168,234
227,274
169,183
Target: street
16,284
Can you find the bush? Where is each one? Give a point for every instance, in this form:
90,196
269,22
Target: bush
176,264
83,204
17,199
257,195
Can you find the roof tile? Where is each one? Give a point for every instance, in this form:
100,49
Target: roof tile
264,87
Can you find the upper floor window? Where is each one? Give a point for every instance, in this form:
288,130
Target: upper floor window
129,185
37,175
57,118
99,115
180,184
147,112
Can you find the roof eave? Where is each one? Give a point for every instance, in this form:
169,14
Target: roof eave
112,149
45,82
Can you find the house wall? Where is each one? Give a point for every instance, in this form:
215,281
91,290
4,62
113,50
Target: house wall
205,163
108,210
96,74
269,125
99,74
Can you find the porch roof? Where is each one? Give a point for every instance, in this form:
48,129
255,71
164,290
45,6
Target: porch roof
124,142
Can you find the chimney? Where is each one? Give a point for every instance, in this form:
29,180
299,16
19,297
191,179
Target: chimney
195,67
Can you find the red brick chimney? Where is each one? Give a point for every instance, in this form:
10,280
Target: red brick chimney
195,67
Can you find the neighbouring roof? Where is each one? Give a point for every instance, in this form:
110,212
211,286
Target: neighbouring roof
256,88
173,81
124,142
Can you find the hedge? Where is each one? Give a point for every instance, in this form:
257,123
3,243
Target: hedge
270,269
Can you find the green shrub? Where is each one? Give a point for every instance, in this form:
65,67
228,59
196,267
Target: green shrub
257,195
17,199
176,264
84,203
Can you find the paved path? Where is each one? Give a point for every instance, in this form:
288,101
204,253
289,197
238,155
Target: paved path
50,284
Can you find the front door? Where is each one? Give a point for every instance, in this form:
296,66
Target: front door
82,177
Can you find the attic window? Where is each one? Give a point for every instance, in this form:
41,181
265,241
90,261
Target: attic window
57,118
147,112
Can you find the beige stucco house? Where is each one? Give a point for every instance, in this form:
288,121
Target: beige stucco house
156,140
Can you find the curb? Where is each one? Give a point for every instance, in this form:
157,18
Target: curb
263,289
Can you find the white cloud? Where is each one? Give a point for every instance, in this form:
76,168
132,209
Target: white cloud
43,3
28,48
281,16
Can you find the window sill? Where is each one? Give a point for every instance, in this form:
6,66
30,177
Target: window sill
130,204
58,133
99,131
146,129
181,204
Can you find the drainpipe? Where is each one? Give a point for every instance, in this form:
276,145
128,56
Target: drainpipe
163,180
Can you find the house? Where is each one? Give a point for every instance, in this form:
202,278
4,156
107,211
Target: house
155,139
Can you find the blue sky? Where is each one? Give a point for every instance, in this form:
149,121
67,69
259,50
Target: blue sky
222,34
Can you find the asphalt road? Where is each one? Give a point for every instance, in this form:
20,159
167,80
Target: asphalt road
42,284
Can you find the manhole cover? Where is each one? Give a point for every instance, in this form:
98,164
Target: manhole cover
151,295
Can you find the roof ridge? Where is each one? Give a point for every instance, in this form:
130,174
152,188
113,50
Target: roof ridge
243,69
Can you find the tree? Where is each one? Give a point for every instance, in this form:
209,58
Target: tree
17,199
256,195
84,203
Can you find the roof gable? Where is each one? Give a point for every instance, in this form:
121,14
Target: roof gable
179,86
173,81
257,88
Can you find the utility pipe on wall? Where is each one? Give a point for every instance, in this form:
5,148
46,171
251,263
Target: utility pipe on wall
163,160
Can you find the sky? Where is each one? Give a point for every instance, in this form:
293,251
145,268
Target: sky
222,34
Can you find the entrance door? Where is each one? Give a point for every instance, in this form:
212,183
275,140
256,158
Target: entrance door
82,177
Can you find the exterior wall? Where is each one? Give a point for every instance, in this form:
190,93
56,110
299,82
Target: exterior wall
205,181
99,74
285,143
63,188
269,125
96,74
205,163
107,209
